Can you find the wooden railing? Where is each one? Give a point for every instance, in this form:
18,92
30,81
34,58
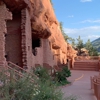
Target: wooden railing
95,85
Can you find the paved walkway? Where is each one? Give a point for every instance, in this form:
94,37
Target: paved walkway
81,86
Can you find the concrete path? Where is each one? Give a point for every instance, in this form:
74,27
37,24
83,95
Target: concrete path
81,85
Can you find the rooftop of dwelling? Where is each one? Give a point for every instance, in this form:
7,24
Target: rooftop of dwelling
79,18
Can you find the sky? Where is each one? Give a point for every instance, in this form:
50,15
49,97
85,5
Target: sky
79,18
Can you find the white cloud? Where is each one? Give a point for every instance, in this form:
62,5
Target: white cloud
85,0
93,36
90,21
71,16
92,32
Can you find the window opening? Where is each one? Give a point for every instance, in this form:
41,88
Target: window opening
35,43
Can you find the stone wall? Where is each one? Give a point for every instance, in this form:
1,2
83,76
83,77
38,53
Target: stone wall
26,39
48,55
13,40
38,59
4,15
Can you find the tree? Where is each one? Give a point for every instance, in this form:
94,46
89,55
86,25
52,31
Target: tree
79,45
73,43
91,50
88,46
51,4
66,37
51,1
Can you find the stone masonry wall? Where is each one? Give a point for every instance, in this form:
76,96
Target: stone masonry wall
23,42
38,59
48,55
26,39
4,15
13,40
45,56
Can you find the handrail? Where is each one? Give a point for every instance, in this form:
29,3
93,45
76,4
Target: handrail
21,68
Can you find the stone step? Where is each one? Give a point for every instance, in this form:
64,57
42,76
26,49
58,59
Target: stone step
82,66
91,65
87,69
87,61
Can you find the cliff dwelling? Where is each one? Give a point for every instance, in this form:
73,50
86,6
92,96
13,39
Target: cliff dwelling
31,35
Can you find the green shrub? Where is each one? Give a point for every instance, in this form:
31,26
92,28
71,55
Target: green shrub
61,76
66,71
25,89
42,73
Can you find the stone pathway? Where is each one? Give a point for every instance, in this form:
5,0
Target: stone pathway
81,85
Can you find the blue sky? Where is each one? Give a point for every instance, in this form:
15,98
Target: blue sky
79,17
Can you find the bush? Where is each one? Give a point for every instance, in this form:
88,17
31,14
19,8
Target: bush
66,71
61,76
25,89
42,73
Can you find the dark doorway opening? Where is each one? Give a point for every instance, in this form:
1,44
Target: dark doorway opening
35,43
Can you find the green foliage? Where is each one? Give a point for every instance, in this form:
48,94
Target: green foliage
20,90
51,4
51,1
91,50
66,37
61,76
47,91
66,71
62,31
25,89
98,53
79,45
73,43
42,73
96,44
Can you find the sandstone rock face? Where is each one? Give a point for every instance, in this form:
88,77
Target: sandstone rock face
42,18
71,54
45,24
15,5
84,52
